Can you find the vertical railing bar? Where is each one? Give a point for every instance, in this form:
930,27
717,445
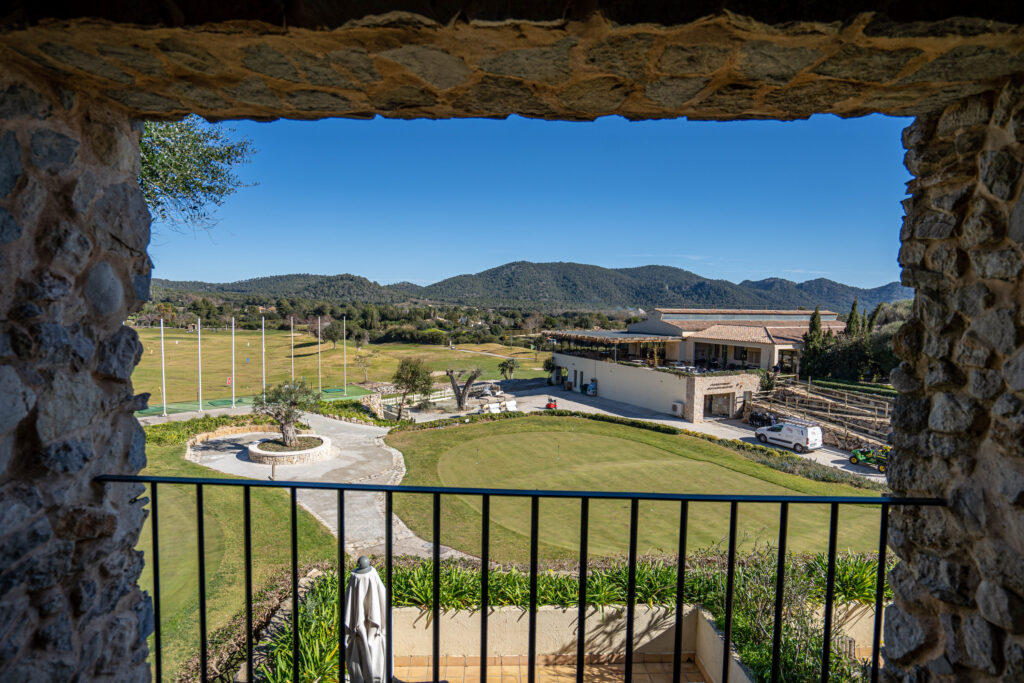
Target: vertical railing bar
485,579
532,646
247,530
634,514
435,598
730,582
830,592
677,646
780,588
389,567
581,615
876,638
295,583
201,550
154,527
342,567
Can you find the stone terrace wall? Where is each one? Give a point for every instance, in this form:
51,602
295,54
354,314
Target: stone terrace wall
959,421
407,65
73,235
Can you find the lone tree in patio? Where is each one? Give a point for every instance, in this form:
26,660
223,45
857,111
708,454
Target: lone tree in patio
285,404
462,394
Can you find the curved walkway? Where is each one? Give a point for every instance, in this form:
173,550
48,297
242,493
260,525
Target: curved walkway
361,457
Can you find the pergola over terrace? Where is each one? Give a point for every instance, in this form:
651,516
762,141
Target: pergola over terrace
607,342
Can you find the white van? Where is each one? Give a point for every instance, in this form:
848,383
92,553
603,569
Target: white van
800,436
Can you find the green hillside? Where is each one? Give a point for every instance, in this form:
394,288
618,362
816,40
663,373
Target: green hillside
561,285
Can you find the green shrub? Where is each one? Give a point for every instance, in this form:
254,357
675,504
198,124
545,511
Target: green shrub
352,410
178,433
607,584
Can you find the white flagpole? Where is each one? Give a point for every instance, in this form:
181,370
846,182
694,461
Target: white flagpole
163,371
292,318
263,351
319,382
232,361
344,353
199,336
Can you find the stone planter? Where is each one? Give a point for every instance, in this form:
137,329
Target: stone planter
263,457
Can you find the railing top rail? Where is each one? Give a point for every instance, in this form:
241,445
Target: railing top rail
525,493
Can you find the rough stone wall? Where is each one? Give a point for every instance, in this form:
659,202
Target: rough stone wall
73,234
406,65
959,422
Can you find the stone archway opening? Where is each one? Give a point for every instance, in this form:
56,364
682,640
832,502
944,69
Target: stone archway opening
74,232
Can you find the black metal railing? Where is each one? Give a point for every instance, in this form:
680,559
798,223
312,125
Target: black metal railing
684,500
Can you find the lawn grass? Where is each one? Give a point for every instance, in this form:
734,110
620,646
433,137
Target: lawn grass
225,559
181,355
577,454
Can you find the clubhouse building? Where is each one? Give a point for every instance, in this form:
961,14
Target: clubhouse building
690,362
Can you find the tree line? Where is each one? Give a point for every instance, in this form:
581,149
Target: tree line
863,351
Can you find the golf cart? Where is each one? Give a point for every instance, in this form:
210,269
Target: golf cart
552,404
870,455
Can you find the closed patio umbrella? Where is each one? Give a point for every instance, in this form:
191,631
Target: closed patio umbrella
365,610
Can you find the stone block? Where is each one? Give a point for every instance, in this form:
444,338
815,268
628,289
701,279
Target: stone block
996,329
97,66
981,63
440,69
10,163
357,62
548,64
596,95
52,151
498,93
1000,606
134,58
904,634
1000,172
404,97
190,56
1013,371
672,93
623,55
9,228
952,413
985,384
104,289
866,64
997,264
254,90
775,64
16,399
692,59
269,62
20,101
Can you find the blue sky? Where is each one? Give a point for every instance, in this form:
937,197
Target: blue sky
425,200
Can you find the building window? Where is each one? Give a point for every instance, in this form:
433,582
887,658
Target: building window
739,353
754,356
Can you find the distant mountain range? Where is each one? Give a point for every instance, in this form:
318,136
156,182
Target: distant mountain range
559,286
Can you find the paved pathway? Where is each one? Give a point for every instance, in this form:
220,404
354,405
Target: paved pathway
534,399
361,457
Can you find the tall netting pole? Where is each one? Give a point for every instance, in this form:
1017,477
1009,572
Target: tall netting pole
233,361
319,381
263,352
199,337
163,371
292,339
344,354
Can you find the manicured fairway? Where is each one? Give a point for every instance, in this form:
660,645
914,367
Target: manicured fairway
181,358
223,534
578,454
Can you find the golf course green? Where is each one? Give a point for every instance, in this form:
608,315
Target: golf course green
560,453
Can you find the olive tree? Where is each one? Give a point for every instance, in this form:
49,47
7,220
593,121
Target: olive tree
462,394
187,169
285,404
411,377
